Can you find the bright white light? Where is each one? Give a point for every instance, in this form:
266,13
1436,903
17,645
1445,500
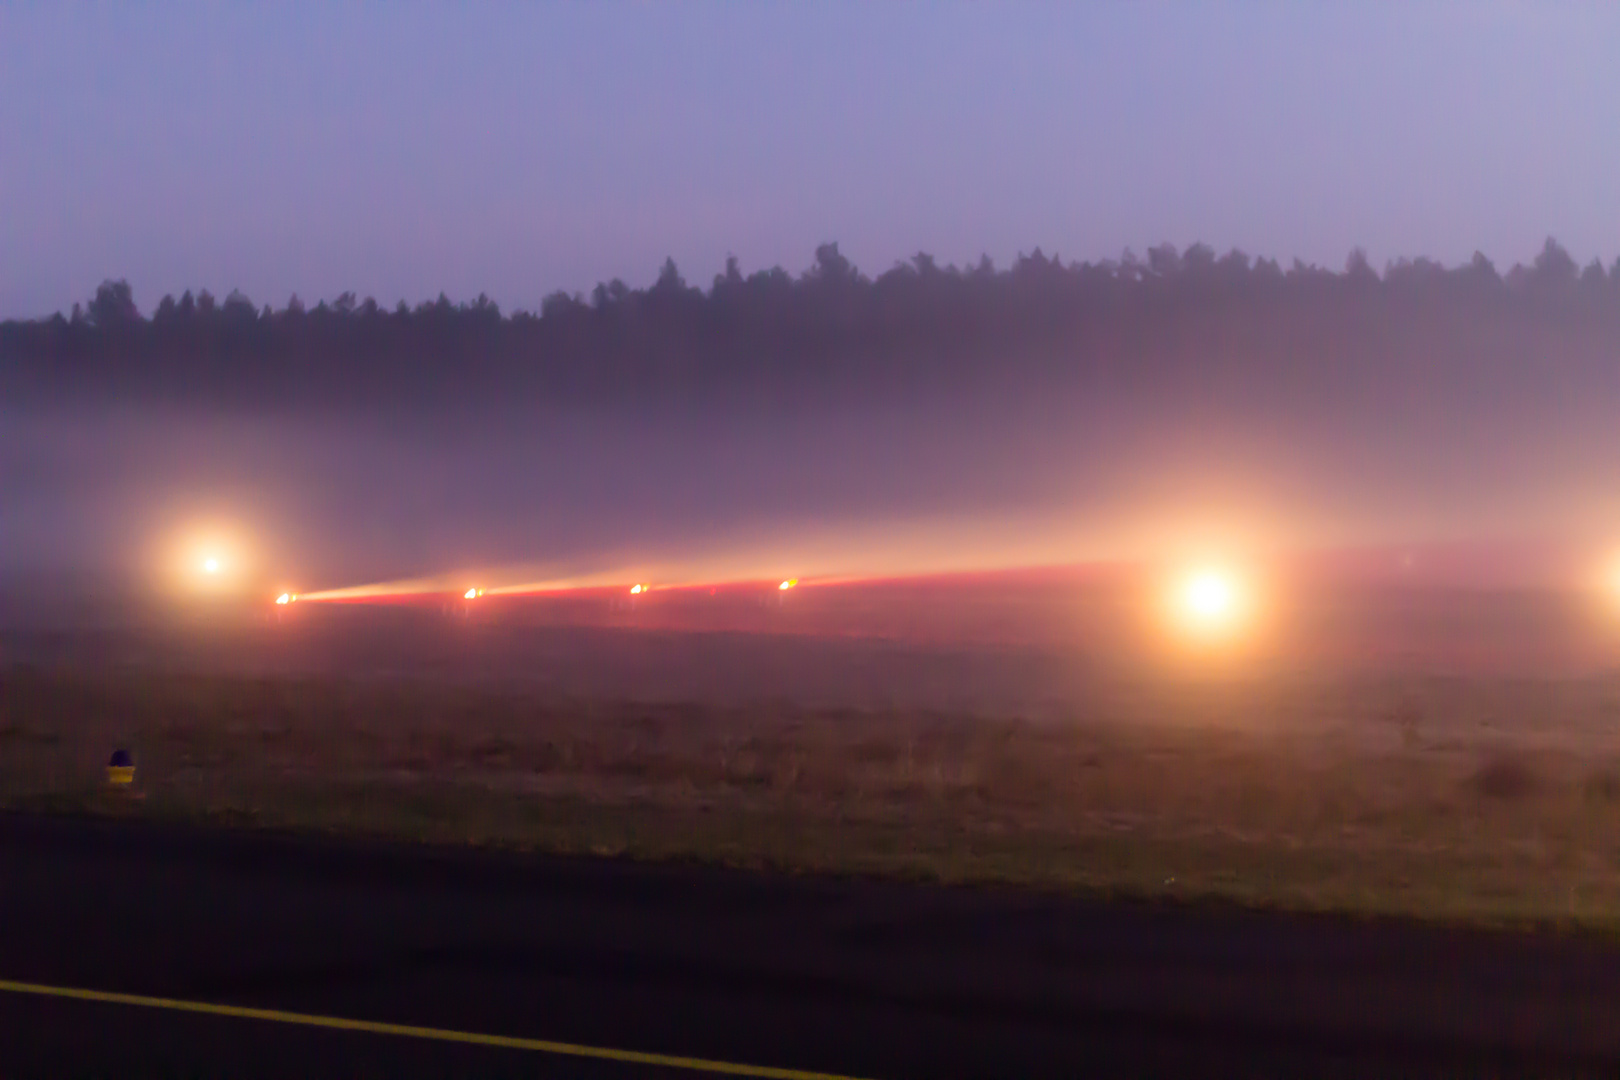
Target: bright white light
788,584
1210,603
1209,596
284,598
470,594
637,590
215,563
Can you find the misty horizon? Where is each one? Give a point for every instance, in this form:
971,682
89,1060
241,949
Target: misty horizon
931,418
754,364
1219,327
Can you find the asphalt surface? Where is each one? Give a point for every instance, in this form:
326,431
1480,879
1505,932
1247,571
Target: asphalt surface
847,977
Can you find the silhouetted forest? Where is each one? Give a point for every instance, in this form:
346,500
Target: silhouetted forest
1190,319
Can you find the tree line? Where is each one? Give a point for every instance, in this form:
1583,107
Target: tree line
1182,317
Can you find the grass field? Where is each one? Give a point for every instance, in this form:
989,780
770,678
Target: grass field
1471,799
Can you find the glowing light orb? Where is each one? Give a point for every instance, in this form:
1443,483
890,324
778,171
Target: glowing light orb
1209,596
284,598
788,584
637,590
1210,604
215,563
470,594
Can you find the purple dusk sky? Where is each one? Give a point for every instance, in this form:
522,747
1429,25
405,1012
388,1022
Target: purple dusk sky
399,150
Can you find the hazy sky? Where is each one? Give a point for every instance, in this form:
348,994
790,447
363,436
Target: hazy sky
397,150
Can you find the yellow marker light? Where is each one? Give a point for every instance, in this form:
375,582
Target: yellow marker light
121,769
788,584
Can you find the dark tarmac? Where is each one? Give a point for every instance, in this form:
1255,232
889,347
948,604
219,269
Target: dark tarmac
845,977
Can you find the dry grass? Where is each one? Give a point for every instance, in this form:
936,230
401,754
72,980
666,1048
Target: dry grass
1450,799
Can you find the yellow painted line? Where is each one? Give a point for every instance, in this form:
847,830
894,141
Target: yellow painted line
630,1057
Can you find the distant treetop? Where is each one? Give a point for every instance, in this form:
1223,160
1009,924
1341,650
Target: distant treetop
830,330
